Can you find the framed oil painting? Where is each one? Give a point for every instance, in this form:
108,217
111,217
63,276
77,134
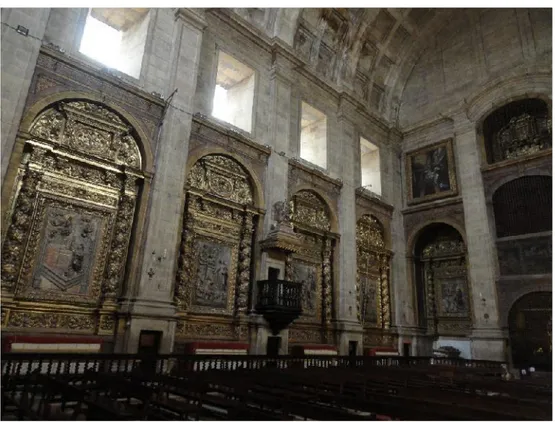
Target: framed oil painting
430,172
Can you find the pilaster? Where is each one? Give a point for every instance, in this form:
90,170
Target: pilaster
149,302
487,341
19,57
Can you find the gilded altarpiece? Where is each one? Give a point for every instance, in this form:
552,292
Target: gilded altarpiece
372,284
213,278
312,267
446,287
72,211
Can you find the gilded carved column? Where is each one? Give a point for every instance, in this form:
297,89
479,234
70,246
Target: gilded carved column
244,277
186,261
384,290
16,239
327,281
119,246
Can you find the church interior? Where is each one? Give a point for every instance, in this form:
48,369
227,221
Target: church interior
264,189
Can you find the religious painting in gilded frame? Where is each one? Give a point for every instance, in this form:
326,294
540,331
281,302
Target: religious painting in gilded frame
430,172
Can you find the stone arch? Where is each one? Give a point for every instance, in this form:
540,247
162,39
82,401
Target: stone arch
413,236
441,281
512,176
530,330
372,282
214,269
503,90
73,210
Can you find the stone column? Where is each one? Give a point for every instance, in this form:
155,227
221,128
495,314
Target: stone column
487,339
347,326
149,302
19,58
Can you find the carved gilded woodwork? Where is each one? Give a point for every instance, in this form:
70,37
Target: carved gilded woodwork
372,282
223,177
523,135
214,267
70,225
309,211
88,128
446,286
312,264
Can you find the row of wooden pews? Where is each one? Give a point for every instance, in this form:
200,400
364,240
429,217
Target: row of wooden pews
334,393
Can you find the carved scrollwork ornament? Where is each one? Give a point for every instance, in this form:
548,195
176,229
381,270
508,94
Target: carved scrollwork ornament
430,290
119,246
18,232
384,290
89,128
185,272
309,210
327,281
245,248
223,177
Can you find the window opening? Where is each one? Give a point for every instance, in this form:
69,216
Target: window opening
313,136
370,166
234,93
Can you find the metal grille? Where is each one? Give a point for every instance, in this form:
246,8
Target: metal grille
523,206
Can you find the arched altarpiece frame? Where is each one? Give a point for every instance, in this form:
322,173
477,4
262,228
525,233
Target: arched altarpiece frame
373,269
212,288
442,266
70,220
312,266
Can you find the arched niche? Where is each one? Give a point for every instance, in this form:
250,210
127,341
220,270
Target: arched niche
517,129
71,217
372,283
530,320
441,281
312,265
214,270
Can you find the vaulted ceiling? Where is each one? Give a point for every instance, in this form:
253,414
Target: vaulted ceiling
370,52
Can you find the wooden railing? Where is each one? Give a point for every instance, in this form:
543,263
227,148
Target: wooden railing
22,364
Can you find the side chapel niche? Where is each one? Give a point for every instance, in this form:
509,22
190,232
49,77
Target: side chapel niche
213,279
71,217
372,283
312,266
441,281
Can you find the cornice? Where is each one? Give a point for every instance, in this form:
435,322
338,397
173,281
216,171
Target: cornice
328,179
425,125
236,135
100,74
369,200
432,205
192,17
278,48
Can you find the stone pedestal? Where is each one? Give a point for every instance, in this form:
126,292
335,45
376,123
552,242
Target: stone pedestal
347,331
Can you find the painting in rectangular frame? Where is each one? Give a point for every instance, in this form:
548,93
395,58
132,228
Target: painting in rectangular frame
430,172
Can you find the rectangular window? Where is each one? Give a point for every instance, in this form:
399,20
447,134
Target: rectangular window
234,93
370,166
116,38
313,136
